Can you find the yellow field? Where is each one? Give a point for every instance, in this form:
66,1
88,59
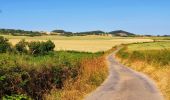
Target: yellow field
81,43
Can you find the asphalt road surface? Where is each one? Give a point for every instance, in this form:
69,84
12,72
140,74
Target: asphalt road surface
125,84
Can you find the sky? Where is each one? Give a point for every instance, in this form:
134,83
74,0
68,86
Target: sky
136,16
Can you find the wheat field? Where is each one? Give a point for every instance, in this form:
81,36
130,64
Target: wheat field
82,43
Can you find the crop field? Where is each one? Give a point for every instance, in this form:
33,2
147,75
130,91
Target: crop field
150,46
151,59
81,43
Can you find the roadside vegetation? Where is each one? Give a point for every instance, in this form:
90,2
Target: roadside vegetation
33,70
152,59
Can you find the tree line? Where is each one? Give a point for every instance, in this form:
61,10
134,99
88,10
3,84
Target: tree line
97,32
20,32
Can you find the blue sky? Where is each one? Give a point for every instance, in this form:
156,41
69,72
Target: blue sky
138,16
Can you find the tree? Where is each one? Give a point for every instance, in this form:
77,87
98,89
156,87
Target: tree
58,31
20,32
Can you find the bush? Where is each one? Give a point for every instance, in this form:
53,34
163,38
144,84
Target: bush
4,45
50,45
41,48
34,48
21,46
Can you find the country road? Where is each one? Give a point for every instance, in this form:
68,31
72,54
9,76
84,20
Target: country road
125,84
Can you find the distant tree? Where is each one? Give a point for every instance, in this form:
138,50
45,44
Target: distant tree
58,31
62,32
98,32
19,32
166,35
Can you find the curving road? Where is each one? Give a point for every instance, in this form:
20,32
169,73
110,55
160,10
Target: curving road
125,84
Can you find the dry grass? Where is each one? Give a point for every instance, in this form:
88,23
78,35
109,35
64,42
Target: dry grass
82,43
92,74
155,69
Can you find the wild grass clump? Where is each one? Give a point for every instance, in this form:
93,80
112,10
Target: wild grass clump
90,75
154,63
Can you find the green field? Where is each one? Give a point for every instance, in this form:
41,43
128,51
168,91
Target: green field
149,46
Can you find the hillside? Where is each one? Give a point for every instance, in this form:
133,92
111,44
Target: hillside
121,33
63,33
97,32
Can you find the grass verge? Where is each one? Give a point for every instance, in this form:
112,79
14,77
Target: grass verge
91,74
154,63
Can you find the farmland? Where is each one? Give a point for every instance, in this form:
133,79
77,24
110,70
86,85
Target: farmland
149,46
151,59
82,43
84,50
25,75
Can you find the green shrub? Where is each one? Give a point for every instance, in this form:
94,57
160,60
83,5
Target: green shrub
21,46
49,45
4,45
34,47
41,48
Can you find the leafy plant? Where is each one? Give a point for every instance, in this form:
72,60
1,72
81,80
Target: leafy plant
4,45
41,48
21,46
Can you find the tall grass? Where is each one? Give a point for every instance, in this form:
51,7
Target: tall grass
91,74
154,63
158,57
